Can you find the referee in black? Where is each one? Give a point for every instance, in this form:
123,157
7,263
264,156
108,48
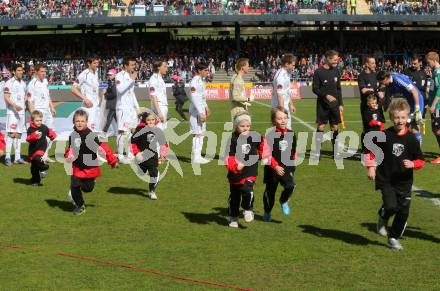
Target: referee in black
419,77
368,84
329,105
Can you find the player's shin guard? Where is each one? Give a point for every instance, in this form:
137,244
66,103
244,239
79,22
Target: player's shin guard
9,142
316,150
17,148
121,139
49,146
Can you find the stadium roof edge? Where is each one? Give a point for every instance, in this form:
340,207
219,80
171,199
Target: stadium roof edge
130,20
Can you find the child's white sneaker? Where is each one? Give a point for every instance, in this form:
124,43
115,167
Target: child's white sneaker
394,244
233,222
248,215
152,195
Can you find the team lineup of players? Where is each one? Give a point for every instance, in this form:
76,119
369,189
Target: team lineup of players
141,140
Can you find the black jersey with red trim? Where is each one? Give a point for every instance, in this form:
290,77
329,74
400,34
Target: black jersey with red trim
82,151
396,149
248,150
38,146
147,139
374,119
282,145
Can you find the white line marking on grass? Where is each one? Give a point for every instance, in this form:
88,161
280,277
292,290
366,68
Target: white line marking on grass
293,116
426,195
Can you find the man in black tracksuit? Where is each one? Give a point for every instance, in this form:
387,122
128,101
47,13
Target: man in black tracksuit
329,105
181,97
419,78
37,135
110,100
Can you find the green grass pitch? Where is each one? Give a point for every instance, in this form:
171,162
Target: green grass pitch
127,242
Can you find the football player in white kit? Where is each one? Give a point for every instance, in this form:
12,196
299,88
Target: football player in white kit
199,112
281,87
15,93
88,82
126,107
158,93
38,98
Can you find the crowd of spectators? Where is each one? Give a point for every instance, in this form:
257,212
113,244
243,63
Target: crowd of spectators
405,7
30,9
65,60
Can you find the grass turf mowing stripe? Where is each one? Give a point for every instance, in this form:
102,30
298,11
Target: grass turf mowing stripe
294,117
129,267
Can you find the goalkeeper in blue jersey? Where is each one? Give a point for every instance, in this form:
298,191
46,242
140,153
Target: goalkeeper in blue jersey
400,85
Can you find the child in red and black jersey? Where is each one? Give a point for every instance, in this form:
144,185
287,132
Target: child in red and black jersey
82,151
37,135
245,150
394,175
281,168
145,143
373,116
2,144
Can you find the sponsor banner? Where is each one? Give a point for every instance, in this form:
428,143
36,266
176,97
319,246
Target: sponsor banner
261,92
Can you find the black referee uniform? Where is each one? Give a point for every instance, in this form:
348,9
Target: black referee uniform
282,144
366,80
420,80
327,82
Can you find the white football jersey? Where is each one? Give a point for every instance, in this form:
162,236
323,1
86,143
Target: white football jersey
17,91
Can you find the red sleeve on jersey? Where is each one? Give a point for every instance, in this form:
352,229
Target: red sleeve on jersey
32,137
52,134
418,164
118,82
70,157
152,90
109,155
164,150
279,87
2,142
193,89
265,153
134,149
369,159
373,123
6,90
231,164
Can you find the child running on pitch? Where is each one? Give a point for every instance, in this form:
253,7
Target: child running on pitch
145,142
394,175
281,168
246,147
82,151
37,135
